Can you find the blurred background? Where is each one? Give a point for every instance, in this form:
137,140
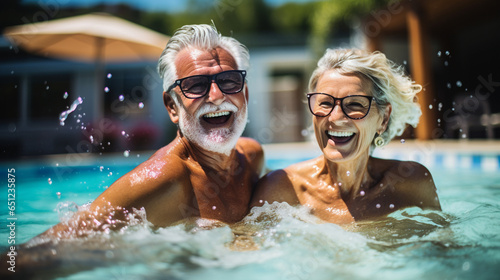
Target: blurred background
87,83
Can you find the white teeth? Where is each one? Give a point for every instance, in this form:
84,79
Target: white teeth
340,133
216,114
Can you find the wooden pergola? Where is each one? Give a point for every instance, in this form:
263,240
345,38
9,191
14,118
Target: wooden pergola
422,21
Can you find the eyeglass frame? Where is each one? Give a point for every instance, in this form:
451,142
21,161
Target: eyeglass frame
212,78
370,98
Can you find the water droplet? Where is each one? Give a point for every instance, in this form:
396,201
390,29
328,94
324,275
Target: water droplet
214,207
459,84
12,72
261,201
65,96
464,136
91,139
47,88
109,76
121,97
348,173
64,115
439,120
110,173
58,194
402,141
340,184
362,193
446,63
141,105
430,106
123,132
126,153
448,85
106,89
391,206
50,181
447,53
405,62
439,53
101,168
440,106
378,205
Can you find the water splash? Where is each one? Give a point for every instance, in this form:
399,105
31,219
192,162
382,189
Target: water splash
64,115
141,105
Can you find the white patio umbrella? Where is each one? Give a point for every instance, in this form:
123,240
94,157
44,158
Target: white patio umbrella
92,37
97,38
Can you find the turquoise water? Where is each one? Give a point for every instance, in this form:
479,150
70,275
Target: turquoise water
274,242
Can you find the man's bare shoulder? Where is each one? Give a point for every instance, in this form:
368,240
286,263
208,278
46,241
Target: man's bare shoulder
161,173
248,145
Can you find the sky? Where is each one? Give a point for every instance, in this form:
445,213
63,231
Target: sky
147,5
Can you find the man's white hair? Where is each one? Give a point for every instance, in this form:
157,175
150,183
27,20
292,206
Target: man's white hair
202,37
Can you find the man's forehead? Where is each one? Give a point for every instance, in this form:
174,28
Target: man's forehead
191,59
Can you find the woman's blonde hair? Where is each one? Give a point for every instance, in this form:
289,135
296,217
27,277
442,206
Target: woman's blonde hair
390,84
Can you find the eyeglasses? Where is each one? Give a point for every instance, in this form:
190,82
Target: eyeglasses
354,107
229,82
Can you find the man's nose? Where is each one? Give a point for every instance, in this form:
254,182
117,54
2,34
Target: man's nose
215,95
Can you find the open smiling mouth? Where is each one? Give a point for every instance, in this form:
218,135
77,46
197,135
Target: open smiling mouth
340,137
217,118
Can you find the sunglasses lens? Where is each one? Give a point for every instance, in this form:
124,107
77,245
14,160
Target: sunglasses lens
230,82
195,86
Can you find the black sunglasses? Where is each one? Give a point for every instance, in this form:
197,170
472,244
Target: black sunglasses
354,107
229,82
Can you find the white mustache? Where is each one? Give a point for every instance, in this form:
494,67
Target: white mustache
210,108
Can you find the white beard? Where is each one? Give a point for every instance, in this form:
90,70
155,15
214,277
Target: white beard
219,140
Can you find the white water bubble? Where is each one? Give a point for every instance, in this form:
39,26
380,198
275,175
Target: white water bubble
391,206
141,105
403,141
447,53
459,83
121,97
64,115
47,88
378,205
448,85
214,207
106,89
362,193
65,95
430,106
50,181
440,106
446,63
439,53
348,173
123,132
109,76
101,168
58,194
126,153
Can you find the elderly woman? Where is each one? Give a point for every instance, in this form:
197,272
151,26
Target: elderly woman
359,101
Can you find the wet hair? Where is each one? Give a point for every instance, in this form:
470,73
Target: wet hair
390,85
202,37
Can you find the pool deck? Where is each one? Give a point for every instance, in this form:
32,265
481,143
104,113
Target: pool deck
466,154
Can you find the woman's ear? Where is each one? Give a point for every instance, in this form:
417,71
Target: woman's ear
386,117
172,108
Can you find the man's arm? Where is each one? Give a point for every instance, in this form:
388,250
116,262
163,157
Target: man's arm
275,186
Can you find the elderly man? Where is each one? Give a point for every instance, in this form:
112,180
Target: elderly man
208,170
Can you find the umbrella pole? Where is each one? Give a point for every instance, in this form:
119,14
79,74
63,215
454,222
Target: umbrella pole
98,97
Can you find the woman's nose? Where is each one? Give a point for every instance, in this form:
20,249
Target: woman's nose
337,113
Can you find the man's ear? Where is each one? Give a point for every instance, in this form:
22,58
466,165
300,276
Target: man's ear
246,92
386,117
172,109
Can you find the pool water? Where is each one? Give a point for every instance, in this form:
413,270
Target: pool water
274,242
